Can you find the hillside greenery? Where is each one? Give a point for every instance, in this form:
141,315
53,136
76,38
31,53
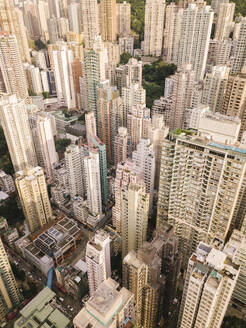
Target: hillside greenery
154,76
233,322
5,161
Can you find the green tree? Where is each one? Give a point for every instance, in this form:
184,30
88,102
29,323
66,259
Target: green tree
19,274
61,144
5,161
46,95
233,322
124,58
39,44
31,93
12,212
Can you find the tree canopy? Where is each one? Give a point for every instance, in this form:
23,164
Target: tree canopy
124,58
61,144
233,322
10,210
5,161
154,76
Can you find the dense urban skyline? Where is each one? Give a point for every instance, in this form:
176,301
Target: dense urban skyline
122,163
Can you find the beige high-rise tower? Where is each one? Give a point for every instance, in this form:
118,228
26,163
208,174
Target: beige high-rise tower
34,197
12,78
14,120
107,15
11,21
224,21
154,27
9,292
89,12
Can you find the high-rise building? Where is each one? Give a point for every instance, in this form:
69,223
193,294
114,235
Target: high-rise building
138,122
31,18
90,19
74,159
156,134
34,197
95,64
120,146
189,35
216,3
209,283
107,18
12,77
74,17
53,30
219,53
239,56
98,260
234,98
42,132
93,182
144,159
44,15
12,22
123,18
54,8
194,184
142,276
214,88
90,124
134,216
96,143
14,120
110,306
154,26
182,87
236,251
108,103
62,58
224,21
9,292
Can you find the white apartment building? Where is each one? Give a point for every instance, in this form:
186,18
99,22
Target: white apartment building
74,17
123,18
98,260
6,183
195,194
154,26
74,159
34,198
62,58
144,159
120,145
239,57
214,88
13,79
224,21
93,184
90,19
14,120
209,283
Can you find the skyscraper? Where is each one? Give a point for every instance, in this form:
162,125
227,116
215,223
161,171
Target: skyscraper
11,22
123,18
74,17
182,87
62,58
154,26
41,128
9,292
74,159
240,50
89,12
120,146
214,88
98,260
209,284
107,17
194,183
34,197
12,76
93,182
224,21
91,127
188,36
134,216
234,98
14,120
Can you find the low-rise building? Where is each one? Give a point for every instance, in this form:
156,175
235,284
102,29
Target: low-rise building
42,312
